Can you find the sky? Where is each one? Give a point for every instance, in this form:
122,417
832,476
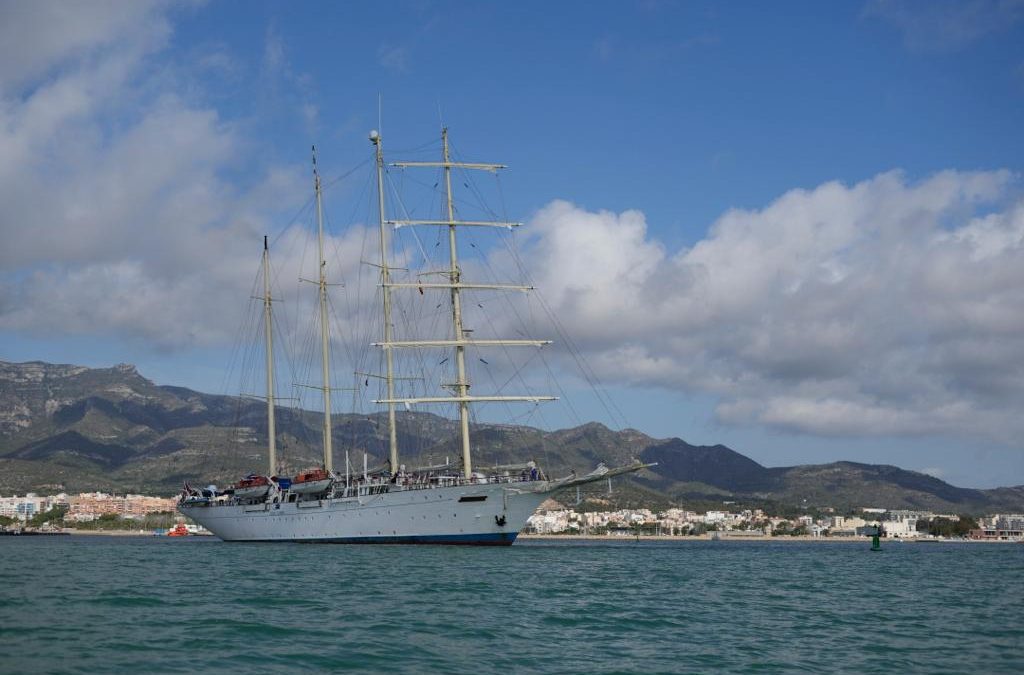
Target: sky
794,228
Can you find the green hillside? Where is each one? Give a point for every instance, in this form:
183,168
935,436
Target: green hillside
75,429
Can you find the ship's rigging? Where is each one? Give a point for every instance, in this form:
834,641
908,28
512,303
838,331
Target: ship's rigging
321,495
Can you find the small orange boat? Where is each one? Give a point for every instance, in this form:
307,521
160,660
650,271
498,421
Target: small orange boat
252,487
179,531
311,481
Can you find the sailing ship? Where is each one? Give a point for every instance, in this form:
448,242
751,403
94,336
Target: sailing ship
393,505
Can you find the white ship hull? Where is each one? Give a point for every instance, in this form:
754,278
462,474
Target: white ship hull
483,514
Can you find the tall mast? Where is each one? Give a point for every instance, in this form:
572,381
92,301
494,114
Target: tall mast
462,384
385,279
268,328
455,285
324,333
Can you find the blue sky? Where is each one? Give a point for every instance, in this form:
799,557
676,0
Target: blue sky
814,208
668,107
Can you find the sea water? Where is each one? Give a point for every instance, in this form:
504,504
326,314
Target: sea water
122,604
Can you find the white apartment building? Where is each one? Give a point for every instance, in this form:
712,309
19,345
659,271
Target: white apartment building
23,508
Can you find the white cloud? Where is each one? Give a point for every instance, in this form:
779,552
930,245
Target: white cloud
393,58
117,216
310,115
274,60
946,25
36,37
283,87
184,297
883,308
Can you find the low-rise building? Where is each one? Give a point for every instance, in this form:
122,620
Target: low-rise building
1006,521
996,534
91,505
902,524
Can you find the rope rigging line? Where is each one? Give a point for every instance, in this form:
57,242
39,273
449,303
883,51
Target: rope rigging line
607,402
586,371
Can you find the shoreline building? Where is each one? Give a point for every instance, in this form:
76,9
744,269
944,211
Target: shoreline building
1001,526
24,508
91,505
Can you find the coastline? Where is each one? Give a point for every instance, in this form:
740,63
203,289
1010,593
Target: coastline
111,533
618,538
696,538
760,537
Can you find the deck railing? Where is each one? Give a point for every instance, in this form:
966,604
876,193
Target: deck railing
359,488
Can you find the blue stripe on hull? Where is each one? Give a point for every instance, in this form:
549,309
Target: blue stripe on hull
490,539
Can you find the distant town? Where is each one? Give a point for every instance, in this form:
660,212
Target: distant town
755,523
89,509
86,511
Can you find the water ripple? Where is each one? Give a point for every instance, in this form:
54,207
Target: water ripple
87,604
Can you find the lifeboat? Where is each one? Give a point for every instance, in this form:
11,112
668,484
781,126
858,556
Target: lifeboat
179,531
311,481
252,487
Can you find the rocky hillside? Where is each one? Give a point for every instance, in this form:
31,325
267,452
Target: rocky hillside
70,428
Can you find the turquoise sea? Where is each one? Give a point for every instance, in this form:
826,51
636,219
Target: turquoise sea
107,604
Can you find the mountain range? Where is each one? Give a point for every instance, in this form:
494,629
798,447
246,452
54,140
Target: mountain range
71,428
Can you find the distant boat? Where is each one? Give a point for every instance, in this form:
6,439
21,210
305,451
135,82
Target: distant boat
178,530
433,504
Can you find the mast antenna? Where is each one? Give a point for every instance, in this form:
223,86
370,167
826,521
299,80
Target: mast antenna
380,113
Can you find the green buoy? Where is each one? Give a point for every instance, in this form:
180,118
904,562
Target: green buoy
876,545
